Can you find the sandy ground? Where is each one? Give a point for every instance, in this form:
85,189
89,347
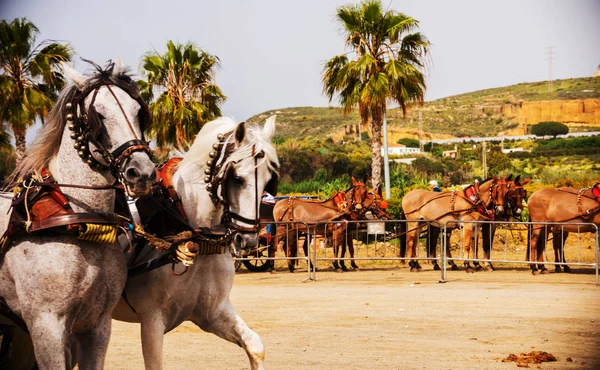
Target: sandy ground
389,318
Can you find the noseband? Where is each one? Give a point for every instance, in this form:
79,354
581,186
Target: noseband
86,126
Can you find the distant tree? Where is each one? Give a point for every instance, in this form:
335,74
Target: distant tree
423,164
29,77
411,143
180,86
498,162
550,128
386,62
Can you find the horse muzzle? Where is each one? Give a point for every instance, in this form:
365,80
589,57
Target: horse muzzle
499,210
138,175
243,243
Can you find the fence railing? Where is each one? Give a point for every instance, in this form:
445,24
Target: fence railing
340,242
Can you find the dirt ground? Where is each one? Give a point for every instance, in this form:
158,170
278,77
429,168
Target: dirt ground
389,318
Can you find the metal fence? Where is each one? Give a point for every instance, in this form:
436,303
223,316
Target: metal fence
386,241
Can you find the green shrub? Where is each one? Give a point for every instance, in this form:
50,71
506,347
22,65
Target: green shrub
411,143
550,128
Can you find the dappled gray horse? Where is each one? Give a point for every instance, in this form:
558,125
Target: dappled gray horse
62,287
225,171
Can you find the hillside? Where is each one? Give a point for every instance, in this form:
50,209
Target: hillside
499,111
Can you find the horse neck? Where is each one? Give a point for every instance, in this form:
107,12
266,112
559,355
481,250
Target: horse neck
67,168
484,193
197,204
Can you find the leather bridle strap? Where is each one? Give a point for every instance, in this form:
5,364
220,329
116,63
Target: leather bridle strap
123,111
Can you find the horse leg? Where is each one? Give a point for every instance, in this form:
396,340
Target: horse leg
305,249
412,244
92,345
452,264
50,336
153,330
337,266
432,236
541,247
227,324
533,235
292,251
559,236
467,233
488,233
350,244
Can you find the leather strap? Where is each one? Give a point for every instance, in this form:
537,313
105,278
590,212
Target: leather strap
76,218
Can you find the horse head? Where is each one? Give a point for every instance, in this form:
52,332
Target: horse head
376,205
498,192
356,195
106,118
516,194
237,163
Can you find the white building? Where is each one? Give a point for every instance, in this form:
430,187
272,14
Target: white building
400,149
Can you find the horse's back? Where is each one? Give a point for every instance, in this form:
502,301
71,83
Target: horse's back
560,205
417,203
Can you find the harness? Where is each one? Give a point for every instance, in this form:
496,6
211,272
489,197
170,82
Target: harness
595,190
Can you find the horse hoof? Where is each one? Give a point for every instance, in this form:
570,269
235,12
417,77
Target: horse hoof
436,267
545,272
345,269
355,269
558,269
413,269
292,271
488,268
273,271
478,268
454,268
567,269
338,270
469,270
419,269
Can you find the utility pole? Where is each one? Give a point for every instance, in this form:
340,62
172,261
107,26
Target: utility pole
484,160
421,131
386,159
550,55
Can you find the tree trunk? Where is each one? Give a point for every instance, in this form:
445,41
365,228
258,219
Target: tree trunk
363,109
19,144
376,126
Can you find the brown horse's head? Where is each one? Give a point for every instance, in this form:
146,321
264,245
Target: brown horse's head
516,194
498,193
375,204
355,197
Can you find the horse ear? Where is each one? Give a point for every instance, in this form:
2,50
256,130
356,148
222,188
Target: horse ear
269,128
517,179
510,178
240,133
380,191
119,67
354,182
365,179
78,79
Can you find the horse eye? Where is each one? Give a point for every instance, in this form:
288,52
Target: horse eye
238,180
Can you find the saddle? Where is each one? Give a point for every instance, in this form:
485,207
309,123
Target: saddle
37,209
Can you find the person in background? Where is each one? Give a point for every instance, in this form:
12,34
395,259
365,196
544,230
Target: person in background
433,186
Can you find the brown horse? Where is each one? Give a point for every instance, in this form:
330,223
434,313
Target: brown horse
475,203
342,206
514,208
374,208
565,207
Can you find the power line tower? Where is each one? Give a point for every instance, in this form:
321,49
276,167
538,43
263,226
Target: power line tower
550,56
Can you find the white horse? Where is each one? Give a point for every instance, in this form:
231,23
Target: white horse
64,288
161,301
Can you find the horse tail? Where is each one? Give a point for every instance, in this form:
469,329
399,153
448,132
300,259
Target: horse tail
402,231
529,231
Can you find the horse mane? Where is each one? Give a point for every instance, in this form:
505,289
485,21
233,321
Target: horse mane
47,143
198,153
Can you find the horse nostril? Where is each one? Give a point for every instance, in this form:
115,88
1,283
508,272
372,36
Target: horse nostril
132,174
239,239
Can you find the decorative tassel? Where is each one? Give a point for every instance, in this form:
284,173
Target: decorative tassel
106,234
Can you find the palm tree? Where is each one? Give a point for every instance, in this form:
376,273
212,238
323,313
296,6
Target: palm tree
386,62
29,78
182,80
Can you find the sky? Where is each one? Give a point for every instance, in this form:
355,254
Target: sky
272,51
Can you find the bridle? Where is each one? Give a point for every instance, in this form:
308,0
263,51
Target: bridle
515,195
86,126
494,189
219,171
352,204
